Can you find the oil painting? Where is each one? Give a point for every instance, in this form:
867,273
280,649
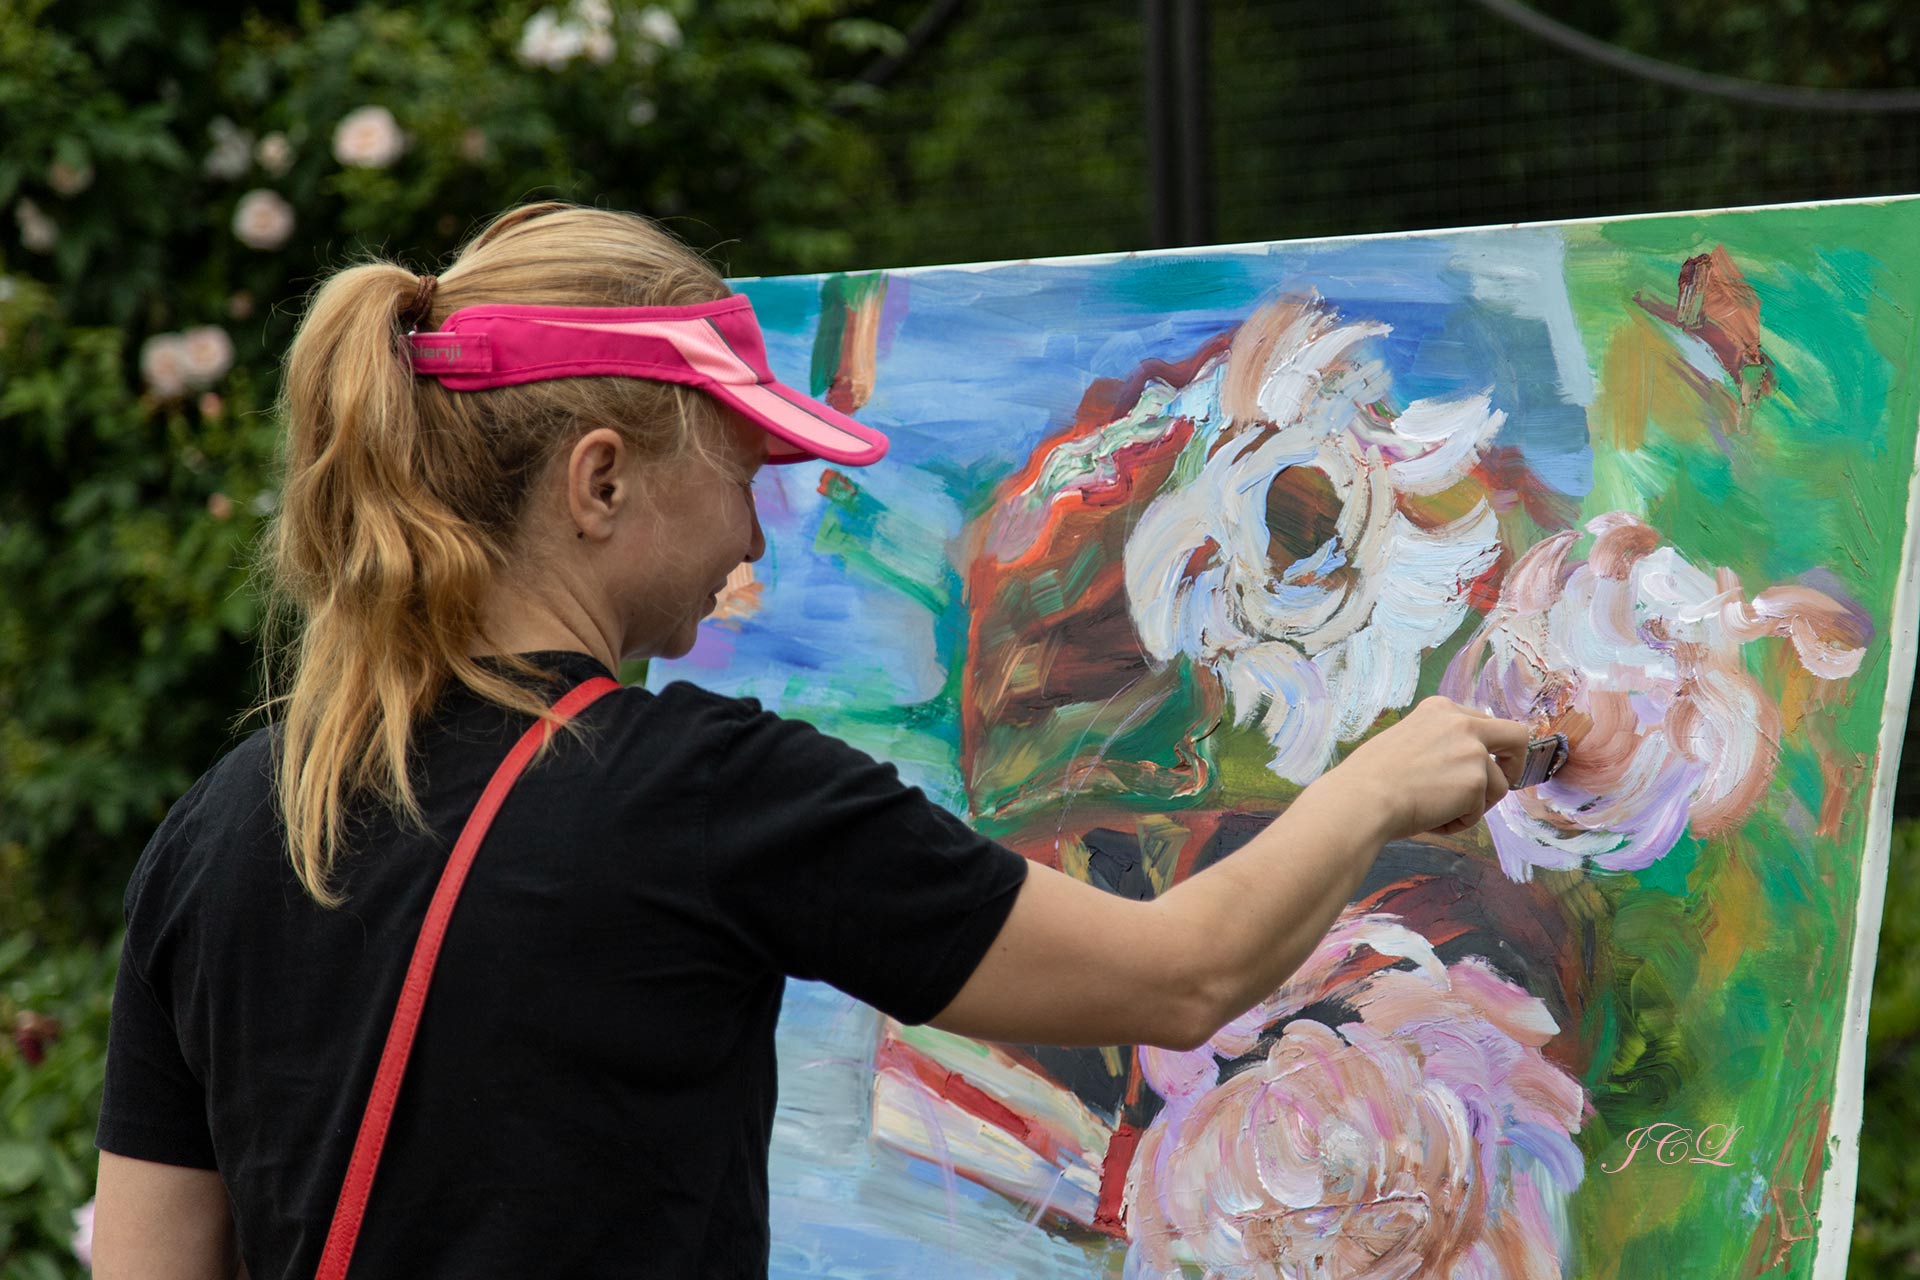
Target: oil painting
1163,536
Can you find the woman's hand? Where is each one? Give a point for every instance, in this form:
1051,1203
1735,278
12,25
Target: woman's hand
1438,769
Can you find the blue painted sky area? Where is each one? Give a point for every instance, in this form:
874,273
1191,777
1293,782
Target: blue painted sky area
976,367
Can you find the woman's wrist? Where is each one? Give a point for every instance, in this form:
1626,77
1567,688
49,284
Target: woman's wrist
1359,802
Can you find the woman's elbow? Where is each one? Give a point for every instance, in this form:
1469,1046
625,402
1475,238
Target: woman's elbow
1188,1013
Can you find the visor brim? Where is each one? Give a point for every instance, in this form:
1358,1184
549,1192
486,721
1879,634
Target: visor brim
802,427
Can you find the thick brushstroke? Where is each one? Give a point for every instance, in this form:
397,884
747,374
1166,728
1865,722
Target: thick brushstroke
1427,1136
1635,656
1281,559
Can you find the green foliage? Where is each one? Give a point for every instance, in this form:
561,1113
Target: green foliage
1886,1224
53,1009
154,157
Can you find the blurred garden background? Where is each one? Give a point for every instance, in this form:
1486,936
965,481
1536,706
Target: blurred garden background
174,177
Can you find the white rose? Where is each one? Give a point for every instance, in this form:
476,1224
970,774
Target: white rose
368,138
208,352
274,154
69,179
597,14
232,151
38,232
163,365
657,25
598,46
642,112
548,42
262,219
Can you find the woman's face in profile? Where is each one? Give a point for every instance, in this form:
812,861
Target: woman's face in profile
702,525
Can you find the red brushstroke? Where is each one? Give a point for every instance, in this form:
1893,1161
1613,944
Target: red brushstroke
1099,650
904,1060
1110,1214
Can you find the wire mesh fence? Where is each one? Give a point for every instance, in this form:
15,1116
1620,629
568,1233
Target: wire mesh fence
1023,133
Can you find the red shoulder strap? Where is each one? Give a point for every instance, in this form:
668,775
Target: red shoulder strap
352,1207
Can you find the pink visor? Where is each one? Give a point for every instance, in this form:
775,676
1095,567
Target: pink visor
715,346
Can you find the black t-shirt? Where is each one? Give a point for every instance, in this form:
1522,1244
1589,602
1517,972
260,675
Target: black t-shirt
592,1085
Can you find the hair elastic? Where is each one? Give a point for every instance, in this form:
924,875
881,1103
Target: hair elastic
416,310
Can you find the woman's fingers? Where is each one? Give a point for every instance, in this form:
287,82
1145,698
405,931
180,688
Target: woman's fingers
1506,741
1498,783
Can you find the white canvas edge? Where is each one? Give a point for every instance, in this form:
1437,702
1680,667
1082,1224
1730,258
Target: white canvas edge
1267,246
1840,1182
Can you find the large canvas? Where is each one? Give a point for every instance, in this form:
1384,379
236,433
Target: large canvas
1162,536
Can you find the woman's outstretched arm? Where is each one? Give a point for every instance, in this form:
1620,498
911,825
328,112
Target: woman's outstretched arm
1075,965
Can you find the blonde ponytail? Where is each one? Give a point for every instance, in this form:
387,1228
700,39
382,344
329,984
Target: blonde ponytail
401,499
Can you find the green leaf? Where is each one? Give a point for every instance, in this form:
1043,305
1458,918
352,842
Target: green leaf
20,1166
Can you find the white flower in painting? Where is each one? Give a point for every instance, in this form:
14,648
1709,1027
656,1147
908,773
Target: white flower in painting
38,232
208,353
659,27
232,151
262,220
1281,556
1635,656
368,138
164,364
274,154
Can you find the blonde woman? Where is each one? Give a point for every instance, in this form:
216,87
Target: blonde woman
500,484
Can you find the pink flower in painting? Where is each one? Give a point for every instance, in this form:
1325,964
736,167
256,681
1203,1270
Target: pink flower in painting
1428,1137
1284,555
1635,654
368,138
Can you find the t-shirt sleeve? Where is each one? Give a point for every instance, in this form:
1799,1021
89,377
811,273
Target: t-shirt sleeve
835,869
153,1107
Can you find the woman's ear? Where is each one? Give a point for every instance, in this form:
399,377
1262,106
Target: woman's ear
597,483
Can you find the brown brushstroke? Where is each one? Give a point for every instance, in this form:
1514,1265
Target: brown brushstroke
854,376
1025,662
1718,306
1619,547
1253,345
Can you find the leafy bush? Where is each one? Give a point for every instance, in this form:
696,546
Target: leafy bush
54,1013
174,178
1886,1230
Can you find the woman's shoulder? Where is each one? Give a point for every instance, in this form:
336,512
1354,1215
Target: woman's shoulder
232,799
